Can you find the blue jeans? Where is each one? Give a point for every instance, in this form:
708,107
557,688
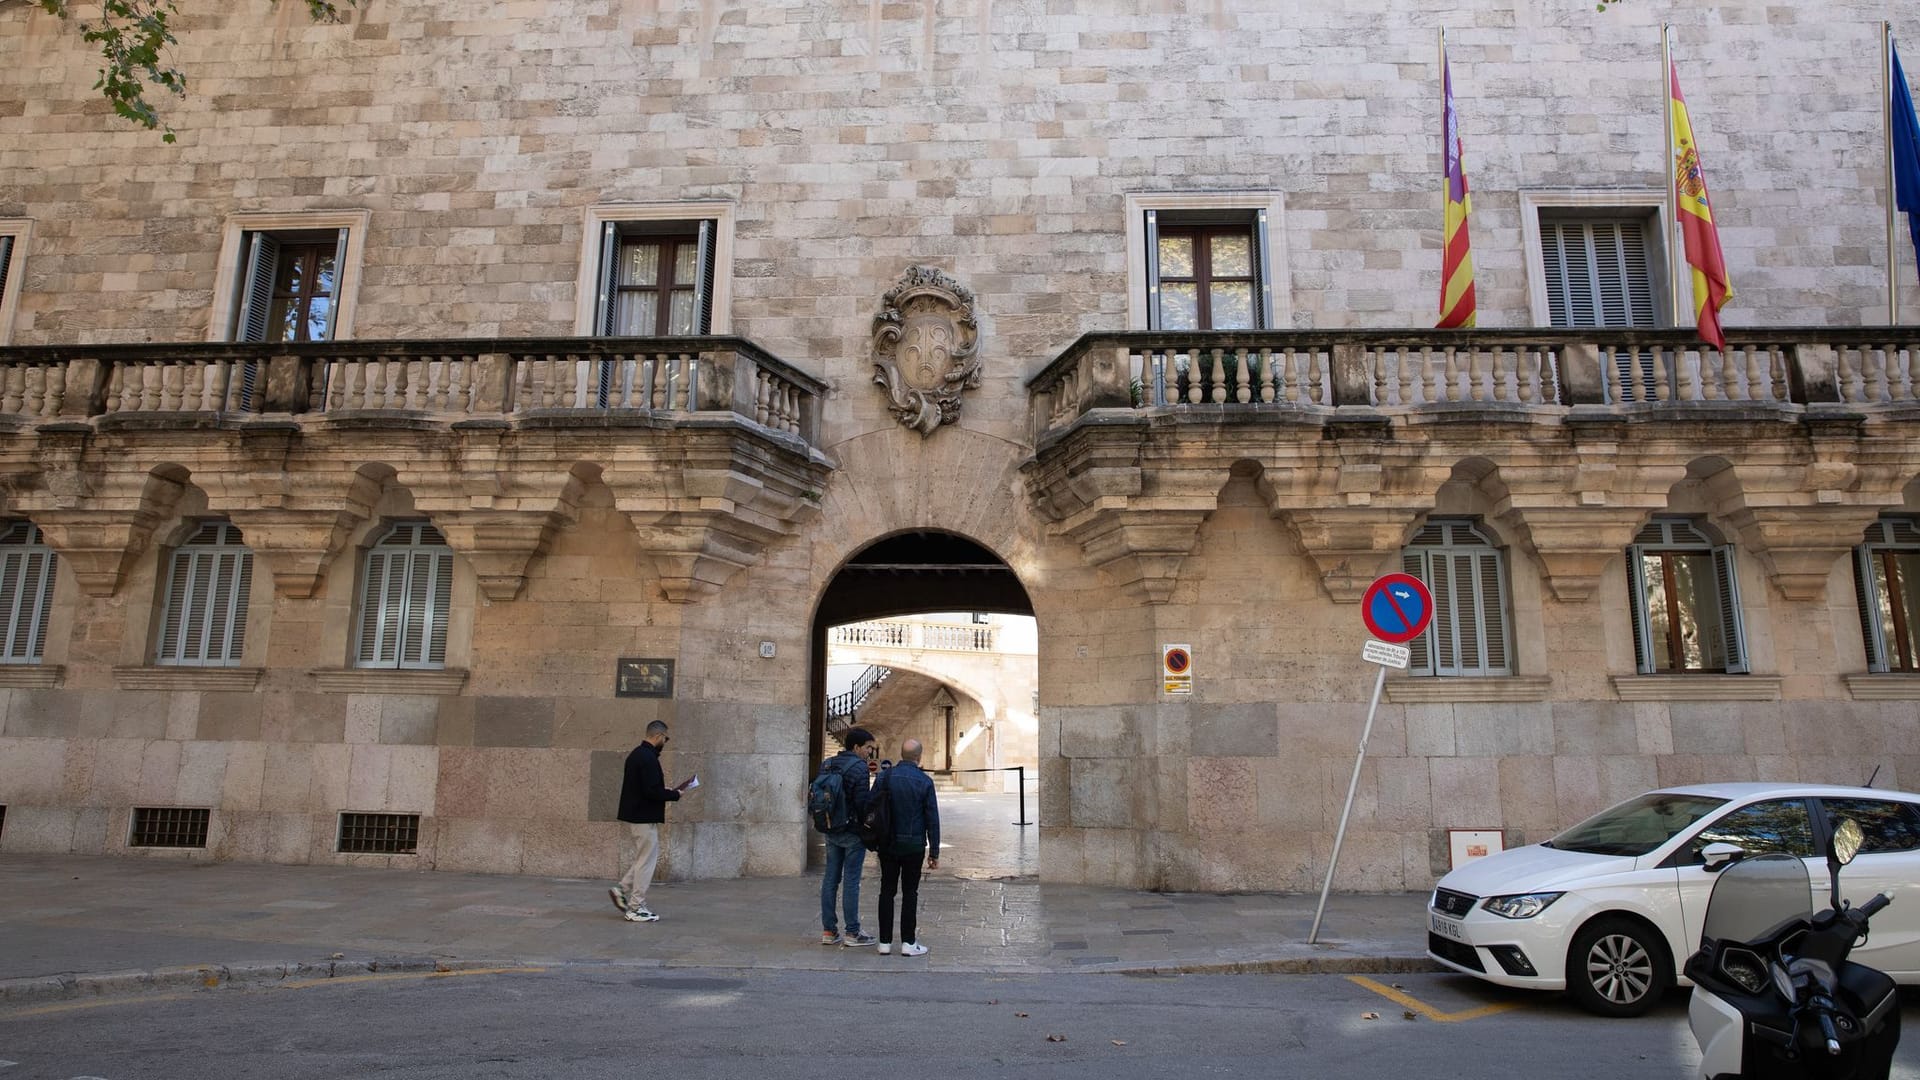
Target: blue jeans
846,857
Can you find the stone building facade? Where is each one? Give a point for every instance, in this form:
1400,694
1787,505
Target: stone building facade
595,294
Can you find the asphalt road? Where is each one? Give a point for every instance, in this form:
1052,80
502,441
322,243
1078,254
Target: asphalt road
591,1022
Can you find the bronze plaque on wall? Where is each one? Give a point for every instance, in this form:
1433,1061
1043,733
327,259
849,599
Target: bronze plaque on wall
635,677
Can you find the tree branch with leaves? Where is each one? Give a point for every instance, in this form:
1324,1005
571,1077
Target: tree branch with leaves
134,37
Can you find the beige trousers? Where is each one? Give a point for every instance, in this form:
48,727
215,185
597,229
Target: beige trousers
640,875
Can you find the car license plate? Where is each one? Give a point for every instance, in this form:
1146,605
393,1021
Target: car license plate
1448,928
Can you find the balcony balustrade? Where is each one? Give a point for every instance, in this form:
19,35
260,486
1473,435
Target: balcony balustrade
433,380
1302,375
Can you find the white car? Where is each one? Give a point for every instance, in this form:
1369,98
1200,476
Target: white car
1609,909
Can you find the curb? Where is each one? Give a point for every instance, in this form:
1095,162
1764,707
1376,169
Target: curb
1301,965
68,986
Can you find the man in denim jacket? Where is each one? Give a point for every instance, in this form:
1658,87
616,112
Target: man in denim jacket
916,835
846,856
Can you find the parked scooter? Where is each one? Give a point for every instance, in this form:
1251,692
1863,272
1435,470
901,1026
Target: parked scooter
1774,993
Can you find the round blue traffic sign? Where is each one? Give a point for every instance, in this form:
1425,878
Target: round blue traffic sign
1397,608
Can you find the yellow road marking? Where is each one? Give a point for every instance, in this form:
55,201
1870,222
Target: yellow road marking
1410,1002
303,984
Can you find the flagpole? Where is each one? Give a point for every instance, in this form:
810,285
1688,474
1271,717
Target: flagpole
1673,211
1886,129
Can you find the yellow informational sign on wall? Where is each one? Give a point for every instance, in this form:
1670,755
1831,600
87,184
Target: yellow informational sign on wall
1176,669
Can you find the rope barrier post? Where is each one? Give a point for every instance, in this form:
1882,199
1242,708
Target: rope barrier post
1020,774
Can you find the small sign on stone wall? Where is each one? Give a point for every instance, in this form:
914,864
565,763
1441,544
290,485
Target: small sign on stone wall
1466,845
637,677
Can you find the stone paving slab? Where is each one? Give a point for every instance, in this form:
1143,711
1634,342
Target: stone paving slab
71,921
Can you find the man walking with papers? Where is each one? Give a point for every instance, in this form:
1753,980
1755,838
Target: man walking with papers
644,796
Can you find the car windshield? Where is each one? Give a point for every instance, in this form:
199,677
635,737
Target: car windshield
1636,826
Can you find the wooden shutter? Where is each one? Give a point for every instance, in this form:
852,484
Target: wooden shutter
1153,270
405,600
26,593
703,281
339,285
603,312
1415,563
6,261
1729,596
256,288
1492,595
1444,627
1598,273
1865,586
208,585
1263,274
1637,610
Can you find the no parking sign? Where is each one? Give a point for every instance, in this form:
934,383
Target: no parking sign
1397,608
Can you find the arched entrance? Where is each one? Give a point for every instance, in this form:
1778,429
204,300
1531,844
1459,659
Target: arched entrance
914,574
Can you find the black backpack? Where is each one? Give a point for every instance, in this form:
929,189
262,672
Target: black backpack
876,826
827,802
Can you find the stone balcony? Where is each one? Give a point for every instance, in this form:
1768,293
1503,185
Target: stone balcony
1801,435
710,446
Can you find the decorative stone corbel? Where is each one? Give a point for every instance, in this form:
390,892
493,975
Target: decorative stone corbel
498,543
1574,543
1349,545
297,545
1140,548
1799,545
99,546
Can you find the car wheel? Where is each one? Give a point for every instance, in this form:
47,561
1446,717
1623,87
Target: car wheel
1617,967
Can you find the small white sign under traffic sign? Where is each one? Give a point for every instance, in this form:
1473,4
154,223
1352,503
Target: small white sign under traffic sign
1393,656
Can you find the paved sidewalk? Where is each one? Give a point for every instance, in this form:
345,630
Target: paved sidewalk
83,916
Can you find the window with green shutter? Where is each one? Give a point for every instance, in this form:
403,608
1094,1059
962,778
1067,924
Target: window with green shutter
204,619
1685,601
1469,633
27,567
1886,577
405,596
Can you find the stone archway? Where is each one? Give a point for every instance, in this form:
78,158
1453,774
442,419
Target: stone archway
903,574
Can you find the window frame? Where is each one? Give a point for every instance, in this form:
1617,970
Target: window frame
370,611
16,234
193,555
1417,558
1266,214
1658,537
593,309
1648,204
1867,592
238,269
38,609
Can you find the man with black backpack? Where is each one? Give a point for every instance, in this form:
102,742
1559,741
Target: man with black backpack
837,801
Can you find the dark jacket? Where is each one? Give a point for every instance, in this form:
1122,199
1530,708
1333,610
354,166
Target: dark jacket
853,768
644,793
916,815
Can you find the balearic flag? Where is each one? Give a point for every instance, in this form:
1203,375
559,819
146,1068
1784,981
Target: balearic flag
1711,290
1906,155
1456,257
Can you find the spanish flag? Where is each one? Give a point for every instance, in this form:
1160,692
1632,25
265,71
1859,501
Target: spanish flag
1711,290
1456,260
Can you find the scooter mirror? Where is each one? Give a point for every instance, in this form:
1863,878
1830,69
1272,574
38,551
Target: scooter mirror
1846,840
1720,856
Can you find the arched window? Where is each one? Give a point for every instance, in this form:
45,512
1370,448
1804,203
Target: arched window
26,591
1468,577
1886,571
404,599
1685,601
208,582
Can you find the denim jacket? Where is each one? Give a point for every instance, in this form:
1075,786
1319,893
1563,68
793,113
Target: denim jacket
916,814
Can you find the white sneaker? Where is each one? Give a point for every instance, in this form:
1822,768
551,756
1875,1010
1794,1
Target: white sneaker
886,947
639,913
913,948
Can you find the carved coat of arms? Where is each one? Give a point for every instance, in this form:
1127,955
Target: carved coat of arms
925,344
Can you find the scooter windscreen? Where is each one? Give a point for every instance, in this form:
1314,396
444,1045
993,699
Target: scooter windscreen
1754,897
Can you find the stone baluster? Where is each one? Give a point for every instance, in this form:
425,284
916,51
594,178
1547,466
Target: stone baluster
1850,374
1481,364
1243,376
1879,386
1905,369
1506,375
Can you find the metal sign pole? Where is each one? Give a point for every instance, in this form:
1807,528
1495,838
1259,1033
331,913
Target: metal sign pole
1313,936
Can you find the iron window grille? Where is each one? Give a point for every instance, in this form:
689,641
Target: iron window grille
379,834
169,826
208,583
1886,576
1467,574
405,598
27,568
1685,601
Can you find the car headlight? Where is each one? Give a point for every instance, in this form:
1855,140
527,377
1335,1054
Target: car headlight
1522,906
